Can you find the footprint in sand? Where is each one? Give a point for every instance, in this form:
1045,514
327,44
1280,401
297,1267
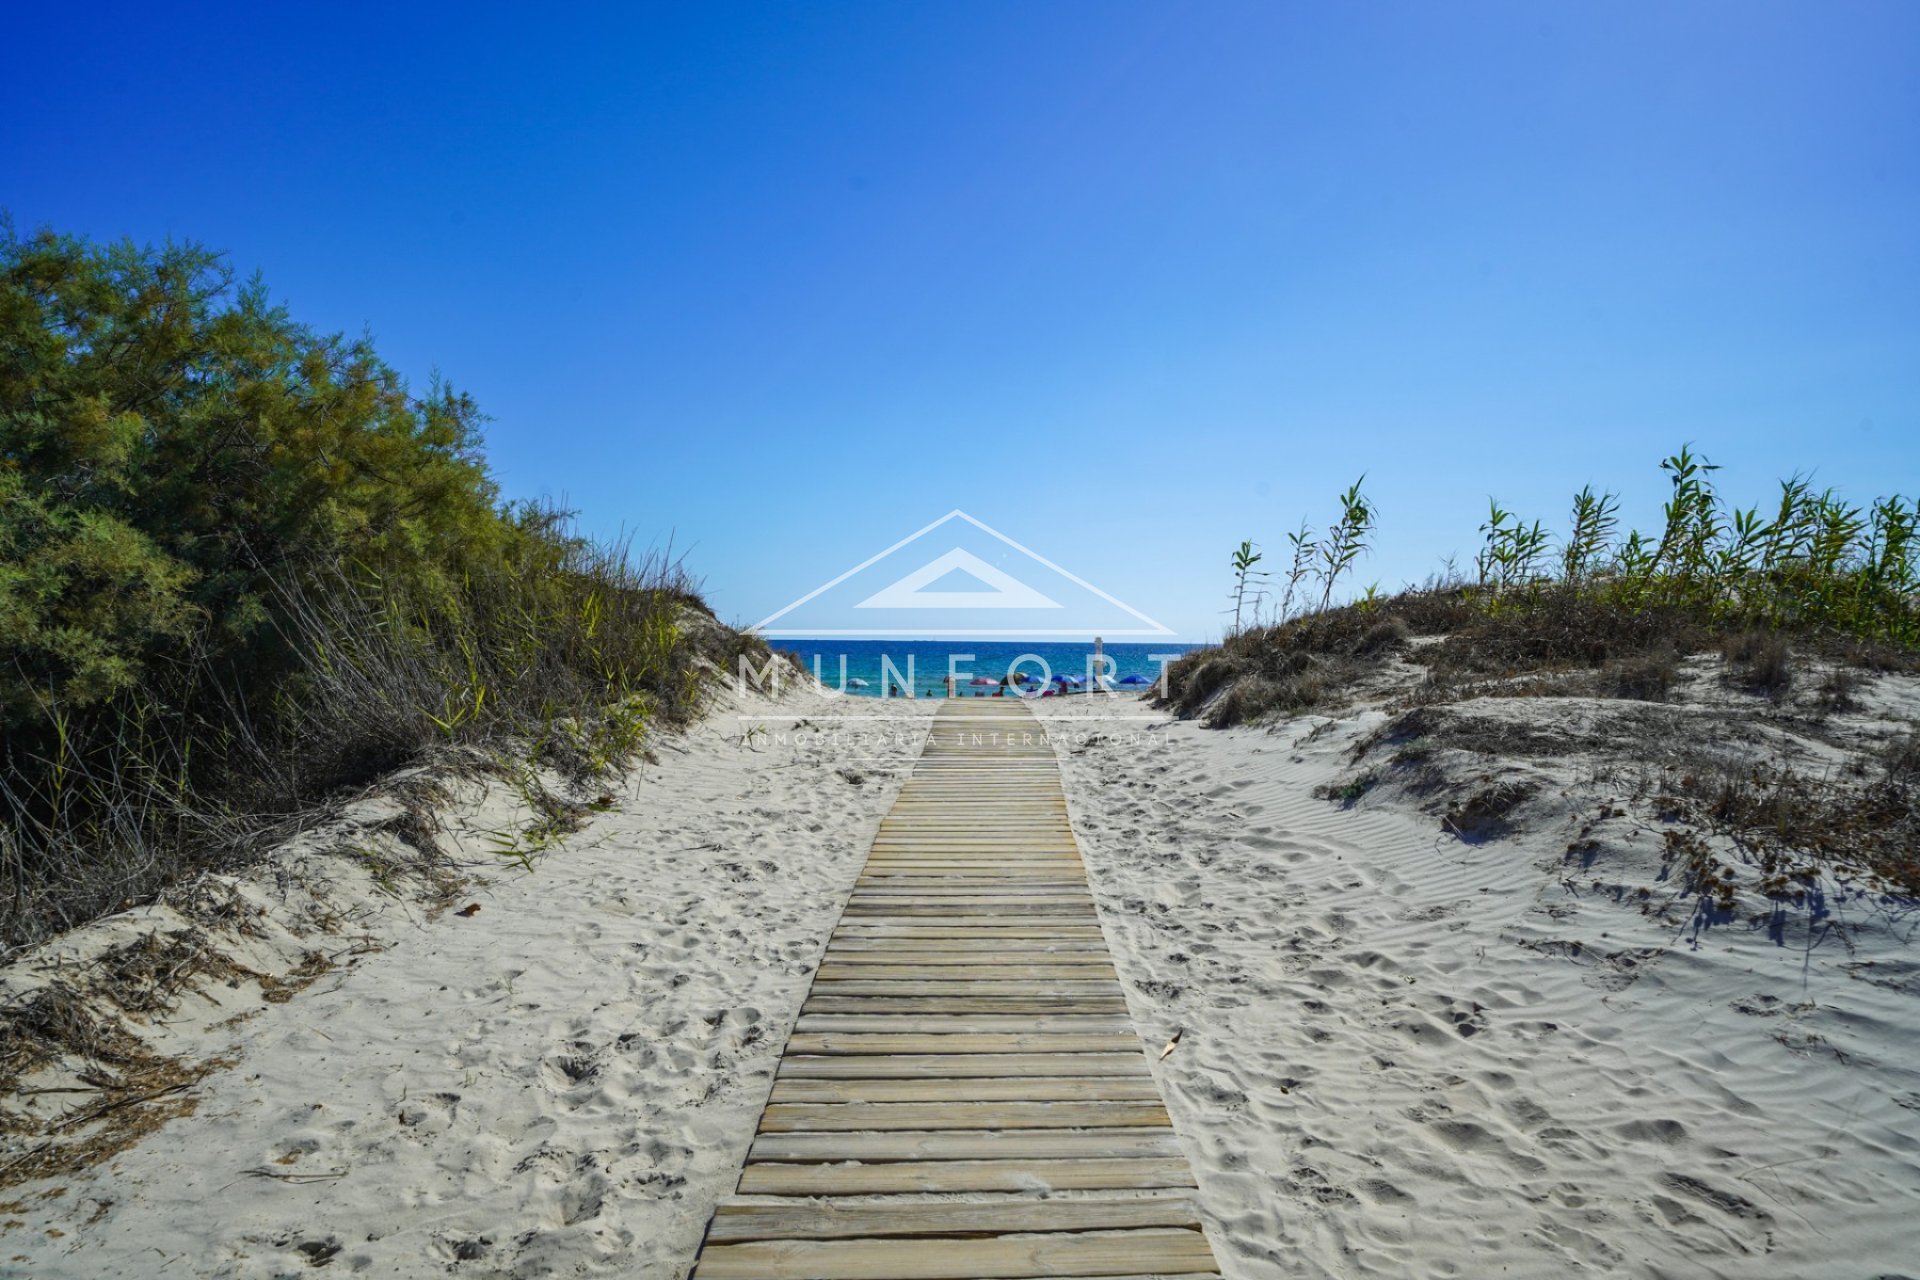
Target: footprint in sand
568,1070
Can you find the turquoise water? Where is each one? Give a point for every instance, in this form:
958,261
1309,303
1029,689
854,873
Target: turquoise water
991,659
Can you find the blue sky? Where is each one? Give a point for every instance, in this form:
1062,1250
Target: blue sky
1128,282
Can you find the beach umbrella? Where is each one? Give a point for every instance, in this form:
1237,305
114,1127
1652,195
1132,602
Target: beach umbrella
983,681
1135,679
856,683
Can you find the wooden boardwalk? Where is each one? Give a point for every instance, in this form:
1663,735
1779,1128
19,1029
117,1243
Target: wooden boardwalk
964,1096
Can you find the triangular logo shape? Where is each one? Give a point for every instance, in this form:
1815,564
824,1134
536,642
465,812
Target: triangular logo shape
982,584
999,590
957,580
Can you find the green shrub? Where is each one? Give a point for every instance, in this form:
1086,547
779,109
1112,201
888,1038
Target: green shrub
1815,572
241,565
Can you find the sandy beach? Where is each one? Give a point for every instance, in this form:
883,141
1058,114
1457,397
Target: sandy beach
1405,1054
1399,1052
861,641
562,1083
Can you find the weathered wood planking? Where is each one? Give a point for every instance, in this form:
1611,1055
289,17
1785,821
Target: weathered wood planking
880,1117
836,973
963,1024
966,1034
955,1004
1093,1088
1012,942
908,1177
749,1221
975,931
894,1045
1160,1252
962,1144
955,1061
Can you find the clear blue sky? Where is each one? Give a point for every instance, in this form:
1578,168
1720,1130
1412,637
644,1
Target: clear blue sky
1128,282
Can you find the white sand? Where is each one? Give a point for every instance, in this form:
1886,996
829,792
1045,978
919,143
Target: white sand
1404,1055
1400,1054
562,1084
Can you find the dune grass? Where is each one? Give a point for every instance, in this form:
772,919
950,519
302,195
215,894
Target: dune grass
1811,571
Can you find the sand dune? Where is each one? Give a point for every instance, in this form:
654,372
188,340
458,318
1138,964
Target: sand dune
561,1084
1403,1054
1400,1053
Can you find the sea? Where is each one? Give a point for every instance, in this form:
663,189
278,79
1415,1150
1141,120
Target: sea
874,668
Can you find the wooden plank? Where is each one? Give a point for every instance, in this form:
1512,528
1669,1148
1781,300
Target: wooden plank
1003,952
970,1004
925,960
1029,831
1017,818
959,939
1063,859
968,885
1027,835
1031,826
964,1024
961,988
907,946
944,863
1129,1088
998,804
1052,840
940,1065
743,1220
1024,831
968,805
1159,1251
960,883
991,893
1061,851
964,1145
1063,912
881,875
927,845
937,864
848,1117
969,902
918,888
837,1042
975,969
973,930
935,1176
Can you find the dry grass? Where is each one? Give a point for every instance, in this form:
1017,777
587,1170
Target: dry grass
1555,640
120,1090
1644,677
570,665
1297,666
1759,661
1794,828
1487,811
